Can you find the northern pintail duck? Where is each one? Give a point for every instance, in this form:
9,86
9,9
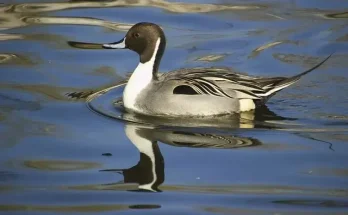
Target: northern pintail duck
189,92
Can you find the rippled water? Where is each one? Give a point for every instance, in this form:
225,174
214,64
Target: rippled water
58,156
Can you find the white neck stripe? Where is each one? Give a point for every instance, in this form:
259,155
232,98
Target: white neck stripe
153,58
140,79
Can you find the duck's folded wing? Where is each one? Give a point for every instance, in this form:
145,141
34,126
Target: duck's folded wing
224,83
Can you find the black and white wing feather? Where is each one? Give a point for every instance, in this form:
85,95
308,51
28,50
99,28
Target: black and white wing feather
225,83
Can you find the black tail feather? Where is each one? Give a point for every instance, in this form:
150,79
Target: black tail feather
295,78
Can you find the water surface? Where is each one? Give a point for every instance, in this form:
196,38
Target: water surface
59,157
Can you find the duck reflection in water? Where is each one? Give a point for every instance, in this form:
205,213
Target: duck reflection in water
148,173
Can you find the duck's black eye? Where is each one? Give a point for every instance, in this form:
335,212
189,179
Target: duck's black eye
136,35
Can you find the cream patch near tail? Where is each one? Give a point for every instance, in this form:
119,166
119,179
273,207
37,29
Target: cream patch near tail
246,105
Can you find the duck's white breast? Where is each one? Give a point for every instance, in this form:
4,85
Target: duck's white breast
139,80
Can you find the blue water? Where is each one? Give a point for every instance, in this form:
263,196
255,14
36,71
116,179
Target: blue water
59,157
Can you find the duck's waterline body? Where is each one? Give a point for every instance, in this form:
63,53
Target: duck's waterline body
195,92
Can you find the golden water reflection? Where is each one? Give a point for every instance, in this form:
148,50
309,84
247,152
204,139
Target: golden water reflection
175,7
212,58
65,208
236,189
337,60
342,15
11,37
20,128
100,208
15,59
258,50
249,211
55,92
19,15
10,19
77,21
60,165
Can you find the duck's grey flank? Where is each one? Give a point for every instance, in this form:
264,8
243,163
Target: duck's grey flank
189,92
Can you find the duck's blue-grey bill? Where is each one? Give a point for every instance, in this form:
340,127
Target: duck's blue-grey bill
116,45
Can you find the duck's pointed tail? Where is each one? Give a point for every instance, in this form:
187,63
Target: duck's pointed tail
289,81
